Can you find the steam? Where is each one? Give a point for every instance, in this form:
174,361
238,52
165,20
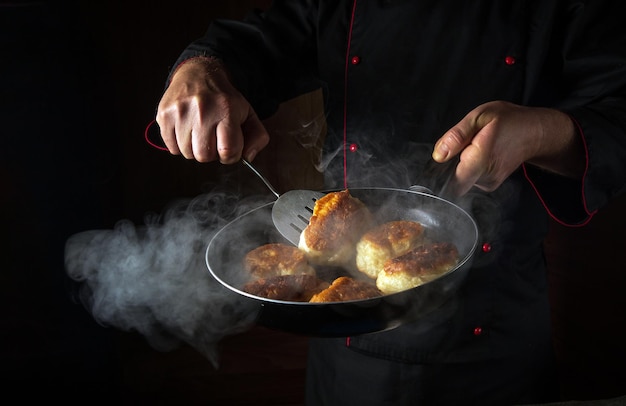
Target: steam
153,279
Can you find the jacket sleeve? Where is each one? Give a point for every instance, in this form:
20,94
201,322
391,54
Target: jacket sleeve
270,55
594,79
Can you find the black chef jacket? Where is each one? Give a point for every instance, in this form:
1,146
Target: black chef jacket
396,75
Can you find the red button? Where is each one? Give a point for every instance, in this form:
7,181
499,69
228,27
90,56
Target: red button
509,60
486,247
478,331
353,147
355,60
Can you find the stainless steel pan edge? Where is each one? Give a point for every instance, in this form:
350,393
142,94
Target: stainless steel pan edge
442,219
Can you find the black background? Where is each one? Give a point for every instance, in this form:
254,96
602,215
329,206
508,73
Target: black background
80,81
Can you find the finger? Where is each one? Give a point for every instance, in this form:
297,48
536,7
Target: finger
183,139
471,167
229,141
255,135
453,141
450,144
168,134
203,143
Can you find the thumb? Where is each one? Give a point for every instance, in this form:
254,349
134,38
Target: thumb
453,141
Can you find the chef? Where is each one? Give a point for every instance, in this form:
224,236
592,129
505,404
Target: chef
527,99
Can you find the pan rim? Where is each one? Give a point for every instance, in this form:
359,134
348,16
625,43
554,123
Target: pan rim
361,302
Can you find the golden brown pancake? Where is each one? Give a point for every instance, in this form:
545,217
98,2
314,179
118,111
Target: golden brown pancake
346,288
416,267
386,241
292,288
337,223
277,259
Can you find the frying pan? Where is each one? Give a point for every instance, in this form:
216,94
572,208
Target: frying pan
442,221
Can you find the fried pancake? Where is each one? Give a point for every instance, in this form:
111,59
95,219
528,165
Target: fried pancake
417,267
337,223
292,288
275,260
386,241
346,288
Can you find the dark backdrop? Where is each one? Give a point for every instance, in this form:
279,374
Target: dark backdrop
80,81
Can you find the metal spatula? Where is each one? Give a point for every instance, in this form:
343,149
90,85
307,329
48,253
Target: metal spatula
292,210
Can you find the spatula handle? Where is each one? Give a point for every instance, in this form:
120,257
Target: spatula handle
257,173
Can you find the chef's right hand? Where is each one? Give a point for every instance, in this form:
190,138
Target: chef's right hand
203,117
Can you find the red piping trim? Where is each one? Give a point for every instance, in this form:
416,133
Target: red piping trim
590,214
146,135
345,100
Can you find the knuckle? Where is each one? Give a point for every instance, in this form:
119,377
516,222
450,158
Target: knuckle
456,135
264,139
224,103
229,155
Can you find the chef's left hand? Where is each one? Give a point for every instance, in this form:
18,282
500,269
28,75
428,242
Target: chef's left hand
495,138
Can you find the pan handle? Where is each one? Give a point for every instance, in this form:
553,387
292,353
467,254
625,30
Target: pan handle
437,178
421,189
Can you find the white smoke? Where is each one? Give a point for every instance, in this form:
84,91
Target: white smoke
153,278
